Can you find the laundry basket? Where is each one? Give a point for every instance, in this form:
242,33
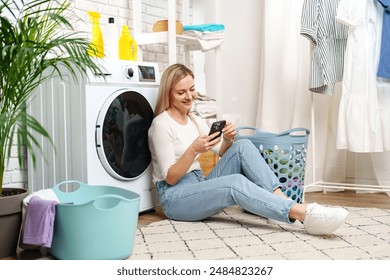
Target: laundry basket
285,153
94,222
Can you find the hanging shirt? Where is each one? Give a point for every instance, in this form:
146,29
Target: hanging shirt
328,39
384,60
359,128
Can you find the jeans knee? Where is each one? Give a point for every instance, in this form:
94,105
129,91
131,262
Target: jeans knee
239,184
237,180
245,144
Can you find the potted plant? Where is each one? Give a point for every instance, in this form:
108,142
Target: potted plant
36,38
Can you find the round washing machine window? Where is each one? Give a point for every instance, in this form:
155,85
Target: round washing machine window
122,134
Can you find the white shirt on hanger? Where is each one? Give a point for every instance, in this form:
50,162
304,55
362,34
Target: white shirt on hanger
359,122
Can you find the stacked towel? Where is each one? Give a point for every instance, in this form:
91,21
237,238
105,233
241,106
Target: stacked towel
208,36
204,107
204,27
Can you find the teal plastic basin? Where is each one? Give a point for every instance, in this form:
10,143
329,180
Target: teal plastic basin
94,222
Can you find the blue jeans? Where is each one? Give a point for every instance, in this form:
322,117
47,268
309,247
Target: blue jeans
241,177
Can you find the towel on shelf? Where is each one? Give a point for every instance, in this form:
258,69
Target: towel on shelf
204,27
206,40
207,35
204,107
39,222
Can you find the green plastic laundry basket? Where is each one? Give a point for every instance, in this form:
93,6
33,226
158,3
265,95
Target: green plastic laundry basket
285,153
94,222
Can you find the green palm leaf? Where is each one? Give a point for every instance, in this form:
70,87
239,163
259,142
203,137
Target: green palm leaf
36,39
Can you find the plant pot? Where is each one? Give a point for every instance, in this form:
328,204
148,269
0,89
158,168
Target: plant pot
10,220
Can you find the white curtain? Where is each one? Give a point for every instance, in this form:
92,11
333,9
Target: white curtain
286,102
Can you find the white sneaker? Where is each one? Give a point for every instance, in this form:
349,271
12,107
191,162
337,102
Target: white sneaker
321,220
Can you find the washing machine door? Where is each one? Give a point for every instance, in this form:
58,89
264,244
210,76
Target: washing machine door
122,134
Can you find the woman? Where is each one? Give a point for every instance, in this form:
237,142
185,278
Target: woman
241,177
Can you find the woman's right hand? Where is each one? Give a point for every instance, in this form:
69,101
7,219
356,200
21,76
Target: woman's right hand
203,143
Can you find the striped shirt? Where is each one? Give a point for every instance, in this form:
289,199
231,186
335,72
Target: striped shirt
328,39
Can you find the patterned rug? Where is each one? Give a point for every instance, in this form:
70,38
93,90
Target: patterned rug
233,234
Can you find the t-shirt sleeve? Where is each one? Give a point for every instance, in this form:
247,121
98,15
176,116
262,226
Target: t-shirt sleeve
162,146
309,20
350,12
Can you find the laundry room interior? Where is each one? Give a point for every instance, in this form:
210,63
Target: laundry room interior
254,67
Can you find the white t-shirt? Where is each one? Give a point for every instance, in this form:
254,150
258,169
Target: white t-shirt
168,140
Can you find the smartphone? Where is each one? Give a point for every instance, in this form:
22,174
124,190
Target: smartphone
217,126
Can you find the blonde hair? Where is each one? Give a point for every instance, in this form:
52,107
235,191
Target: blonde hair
169,79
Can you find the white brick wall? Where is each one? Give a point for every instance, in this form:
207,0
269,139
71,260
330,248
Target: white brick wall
152,10
16,176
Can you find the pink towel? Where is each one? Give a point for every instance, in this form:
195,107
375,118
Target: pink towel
39,223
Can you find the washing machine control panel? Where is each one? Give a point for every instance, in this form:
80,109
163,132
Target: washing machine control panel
125,71
141,72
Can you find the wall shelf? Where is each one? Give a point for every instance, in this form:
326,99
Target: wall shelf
162,37
169,37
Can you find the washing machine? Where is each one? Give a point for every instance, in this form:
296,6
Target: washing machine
98,126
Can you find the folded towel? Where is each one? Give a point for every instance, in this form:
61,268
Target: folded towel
206,35
204,41
204,27
39,223
47,194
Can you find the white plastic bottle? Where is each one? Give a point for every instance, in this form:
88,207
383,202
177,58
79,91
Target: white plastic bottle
111,39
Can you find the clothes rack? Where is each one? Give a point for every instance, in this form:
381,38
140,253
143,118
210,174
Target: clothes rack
334,185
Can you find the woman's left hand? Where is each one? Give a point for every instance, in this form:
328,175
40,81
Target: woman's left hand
229,131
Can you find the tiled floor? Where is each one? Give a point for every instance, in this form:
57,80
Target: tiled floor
351,199
234,234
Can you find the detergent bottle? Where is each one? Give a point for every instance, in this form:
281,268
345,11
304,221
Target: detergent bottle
111,39
127,46
96,47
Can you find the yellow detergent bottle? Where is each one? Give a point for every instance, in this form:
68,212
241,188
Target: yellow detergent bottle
96,47
127,46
